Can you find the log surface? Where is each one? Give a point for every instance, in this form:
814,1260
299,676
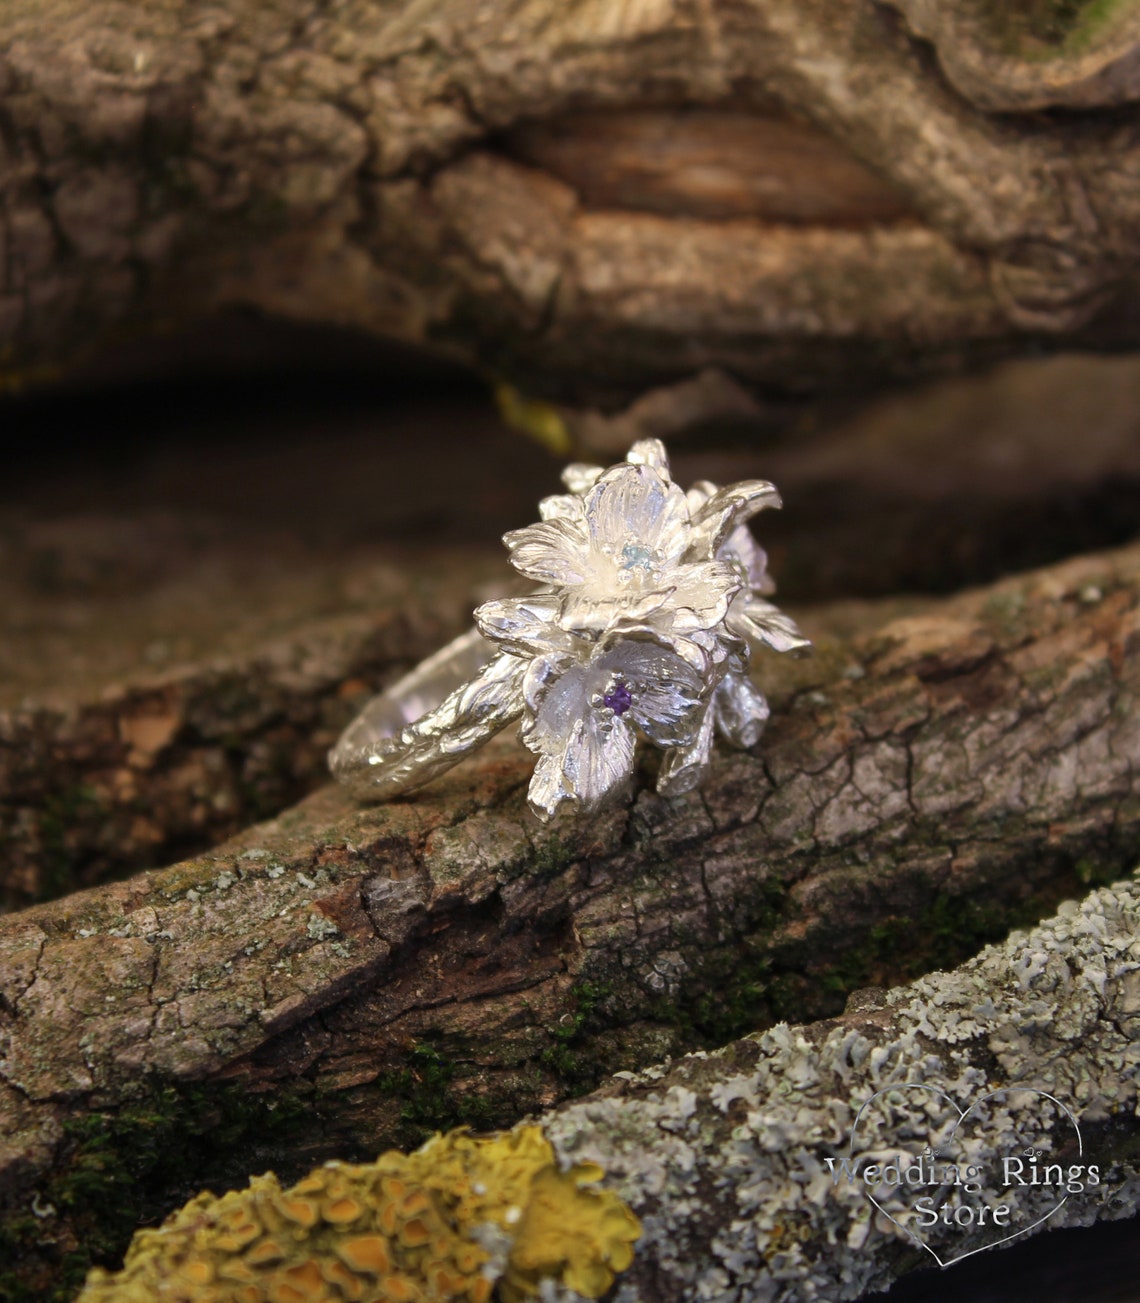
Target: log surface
182,636
442,958
423,173
725,1156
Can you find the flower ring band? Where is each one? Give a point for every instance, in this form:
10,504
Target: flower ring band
652,600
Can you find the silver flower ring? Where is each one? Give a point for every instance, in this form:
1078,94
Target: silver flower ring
651,603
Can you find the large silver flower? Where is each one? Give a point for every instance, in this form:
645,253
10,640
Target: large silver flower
650,602
583,714
627,545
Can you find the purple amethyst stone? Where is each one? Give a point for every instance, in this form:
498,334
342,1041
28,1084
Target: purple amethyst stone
619,698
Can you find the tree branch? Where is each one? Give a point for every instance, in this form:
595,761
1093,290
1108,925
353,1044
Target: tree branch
379,166
725,1157
442,958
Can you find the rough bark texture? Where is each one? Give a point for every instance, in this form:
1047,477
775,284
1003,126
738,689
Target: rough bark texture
177,658
185,716
725,1156
182,635
853,191
442,958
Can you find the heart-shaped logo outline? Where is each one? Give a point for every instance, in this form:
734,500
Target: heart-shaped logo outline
962,1115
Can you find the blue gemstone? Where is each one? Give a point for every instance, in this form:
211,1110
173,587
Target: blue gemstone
635,556
619,698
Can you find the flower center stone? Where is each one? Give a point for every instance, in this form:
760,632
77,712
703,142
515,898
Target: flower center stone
635,556
619,698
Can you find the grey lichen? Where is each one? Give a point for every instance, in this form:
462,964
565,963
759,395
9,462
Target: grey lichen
725,1157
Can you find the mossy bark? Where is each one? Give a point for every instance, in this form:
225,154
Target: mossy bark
114,758
806,1160
378,165
924,784
753,1167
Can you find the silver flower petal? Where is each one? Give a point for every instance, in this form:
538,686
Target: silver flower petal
649,452
741,710
701,599
580,476
561,506
591,745
558,695
727,509
758,621
741,550
548,787
553,552
700,650
684,768
594,614
526,626
637,517
539,676
598,760
666,694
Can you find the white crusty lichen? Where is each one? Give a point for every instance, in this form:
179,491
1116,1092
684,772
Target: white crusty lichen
725,1157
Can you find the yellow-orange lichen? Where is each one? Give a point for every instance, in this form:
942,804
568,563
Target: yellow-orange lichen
464,1219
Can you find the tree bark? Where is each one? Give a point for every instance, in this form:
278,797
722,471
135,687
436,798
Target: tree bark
442,958
849,192
175,668
725,1157
172,727
957,1114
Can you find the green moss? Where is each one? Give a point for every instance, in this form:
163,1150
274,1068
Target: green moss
129,1167
735,996
430,1090
438,1089
550,856
1004,609
753,983
1096,873
943,935
568,1057
1049,27
61,815
734,989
